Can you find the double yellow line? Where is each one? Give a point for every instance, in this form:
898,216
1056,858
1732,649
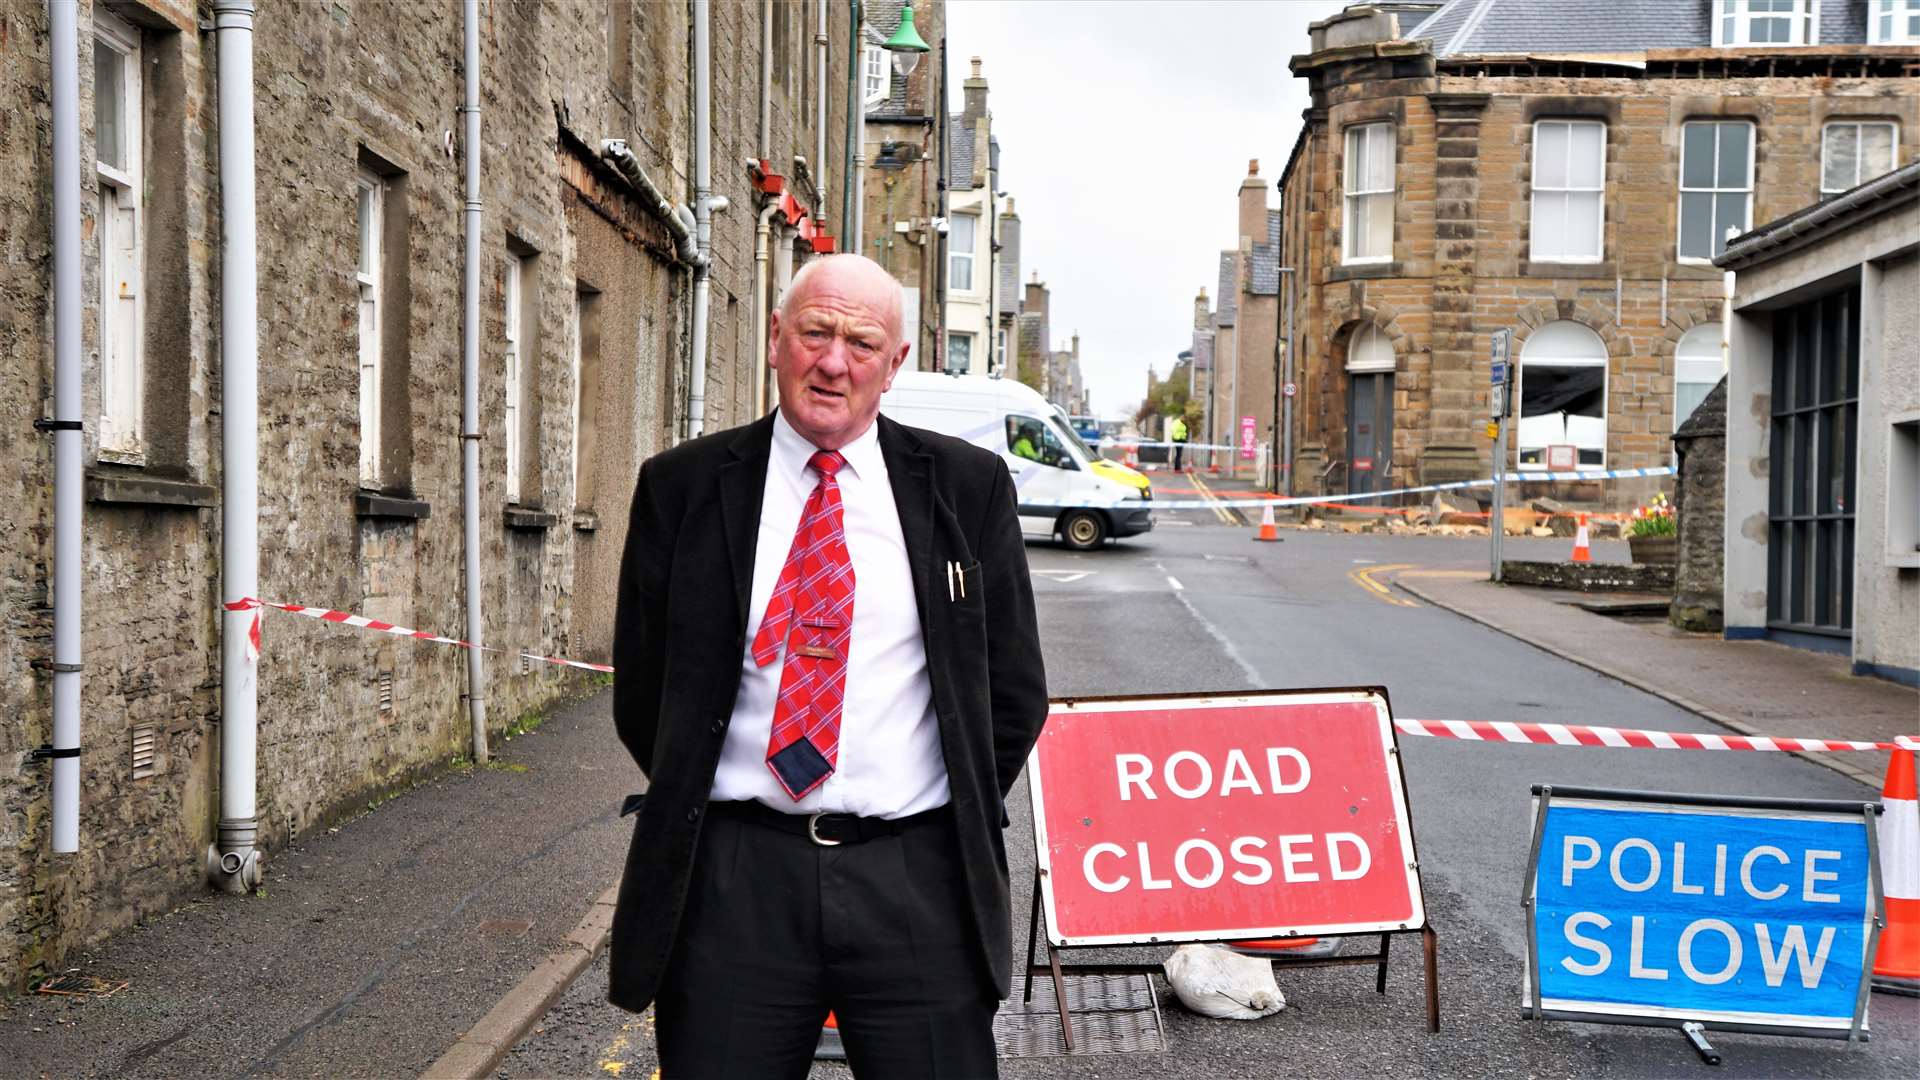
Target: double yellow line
1363,577
1226,514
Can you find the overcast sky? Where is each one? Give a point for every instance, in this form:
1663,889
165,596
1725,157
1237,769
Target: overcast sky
1125,129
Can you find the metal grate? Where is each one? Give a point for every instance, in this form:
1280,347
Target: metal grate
1112,1014
146,748
72,985
386,691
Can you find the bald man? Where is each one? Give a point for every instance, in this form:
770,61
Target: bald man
828,726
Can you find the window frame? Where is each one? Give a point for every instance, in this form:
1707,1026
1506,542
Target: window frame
1803,23
1893,148
955,253
370,191
1681,188
958,337
1679,360
1894,12
513,412
121,209
875,84
1350,196
1534,190
1605,364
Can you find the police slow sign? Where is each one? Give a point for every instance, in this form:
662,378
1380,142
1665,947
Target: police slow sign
1743,914
1211,818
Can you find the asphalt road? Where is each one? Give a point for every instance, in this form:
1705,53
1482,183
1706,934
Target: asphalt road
1195,606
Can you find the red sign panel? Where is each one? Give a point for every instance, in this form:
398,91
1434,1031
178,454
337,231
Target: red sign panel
1212,818
1363,464
1247,438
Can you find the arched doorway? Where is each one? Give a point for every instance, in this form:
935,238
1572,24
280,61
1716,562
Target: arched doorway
1369,410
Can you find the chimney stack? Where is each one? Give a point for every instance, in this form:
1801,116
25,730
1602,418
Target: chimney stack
1253,207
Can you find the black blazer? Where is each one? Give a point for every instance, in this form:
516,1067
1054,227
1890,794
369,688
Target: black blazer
680,631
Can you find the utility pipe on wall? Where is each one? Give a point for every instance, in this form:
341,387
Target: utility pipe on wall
763,147
68,509
470,387
850,193
704,205
820,108
234,862
762,241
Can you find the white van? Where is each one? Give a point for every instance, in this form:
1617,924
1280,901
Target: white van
1065,489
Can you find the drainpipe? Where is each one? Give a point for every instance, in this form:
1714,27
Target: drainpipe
678,219
762,240
820,107
849,191
234,862
1293,284
470,388
68,510
761,148
704,204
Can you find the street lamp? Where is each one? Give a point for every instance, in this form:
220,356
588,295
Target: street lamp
906,45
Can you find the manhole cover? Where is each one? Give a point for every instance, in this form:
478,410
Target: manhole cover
81,986
1112,1014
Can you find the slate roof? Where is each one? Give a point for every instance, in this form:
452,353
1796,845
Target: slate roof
959,153
1263,276
1229,295
1479,27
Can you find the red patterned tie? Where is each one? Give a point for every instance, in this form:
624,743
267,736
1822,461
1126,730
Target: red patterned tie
812,613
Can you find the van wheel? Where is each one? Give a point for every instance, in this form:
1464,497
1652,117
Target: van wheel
1083,530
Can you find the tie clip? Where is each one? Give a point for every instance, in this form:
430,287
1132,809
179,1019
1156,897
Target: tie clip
818,652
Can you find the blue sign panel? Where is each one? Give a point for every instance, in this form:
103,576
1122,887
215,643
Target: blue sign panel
1733,915
1499,372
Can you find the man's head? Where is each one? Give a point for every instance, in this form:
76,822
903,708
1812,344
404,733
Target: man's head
834,343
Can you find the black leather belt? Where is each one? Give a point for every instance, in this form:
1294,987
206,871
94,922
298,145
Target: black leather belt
828,830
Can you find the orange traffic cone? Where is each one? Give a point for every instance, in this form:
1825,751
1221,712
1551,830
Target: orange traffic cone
1267,529
830,1048
1896,966
1580,552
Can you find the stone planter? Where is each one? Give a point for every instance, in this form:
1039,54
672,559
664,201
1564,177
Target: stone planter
1654,550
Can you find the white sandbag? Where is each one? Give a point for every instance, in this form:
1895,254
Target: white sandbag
1218,982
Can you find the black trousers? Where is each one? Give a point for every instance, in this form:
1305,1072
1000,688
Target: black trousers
779,930
1177,448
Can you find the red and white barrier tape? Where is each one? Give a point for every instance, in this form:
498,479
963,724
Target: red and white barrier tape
347,618
1578,735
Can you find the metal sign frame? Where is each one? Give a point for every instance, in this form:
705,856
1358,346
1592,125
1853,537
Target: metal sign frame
1694,1021
1044,918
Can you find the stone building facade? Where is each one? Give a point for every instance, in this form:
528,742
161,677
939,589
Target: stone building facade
901,151
1565,172
585,311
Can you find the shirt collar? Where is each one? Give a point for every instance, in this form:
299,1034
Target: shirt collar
792,451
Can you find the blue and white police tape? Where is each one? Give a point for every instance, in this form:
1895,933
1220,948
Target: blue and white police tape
1303,500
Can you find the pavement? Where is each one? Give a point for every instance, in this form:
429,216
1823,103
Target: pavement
456,929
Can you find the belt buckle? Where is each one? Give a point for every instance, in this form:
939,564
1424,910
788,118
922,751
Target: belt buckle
813,831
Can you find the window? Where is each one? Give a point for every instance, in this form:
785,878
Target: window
960,353
585,377
1696,368
874,74
372,193
1569,181
1894,22
1563,394
960,238
1716,185
1000,351
515,377
1854,152
121,228
1033,439
1764,22
1369,189
1370,350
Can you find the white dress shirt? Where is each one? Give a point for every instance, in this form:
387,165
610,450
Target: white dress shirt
890,764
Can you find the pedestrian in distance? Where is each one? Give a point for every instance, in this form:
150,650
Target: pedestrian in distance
1177,434
828,727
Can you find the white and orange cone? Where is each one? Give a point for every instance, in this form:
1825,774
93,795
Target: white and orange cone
1896,966
1268,531
1581,552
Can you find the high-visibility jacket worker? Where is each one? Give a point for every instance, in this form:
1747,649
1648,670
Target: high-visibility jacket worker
1177,432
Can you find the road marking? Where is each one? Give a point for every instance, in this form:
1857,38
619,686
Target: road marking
1215,503
1170,521
1175,582
1365,579
1364,562
1064,577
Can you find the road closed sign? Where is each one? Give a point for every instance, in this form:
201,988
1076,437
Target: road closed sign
1213,818
1743,914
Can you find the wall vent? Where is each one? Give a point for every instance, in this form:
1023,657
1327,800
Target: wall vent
146,749
386,691
526,664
